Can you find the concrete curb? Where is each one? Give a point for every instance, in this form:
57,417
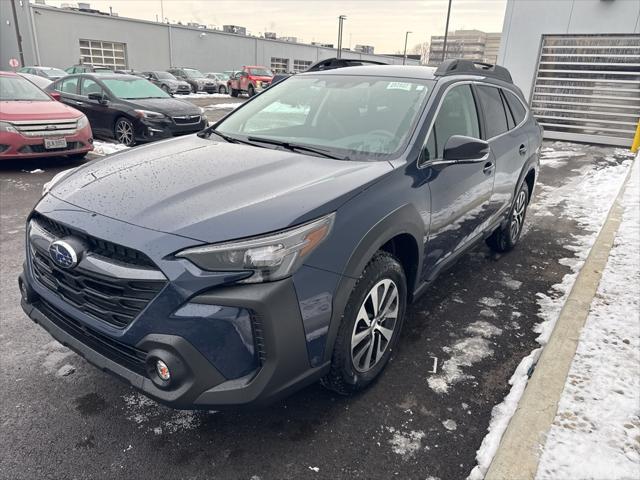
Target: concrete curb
519,451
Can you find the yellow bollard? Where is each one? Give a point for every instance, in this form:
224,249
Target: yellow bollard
635,146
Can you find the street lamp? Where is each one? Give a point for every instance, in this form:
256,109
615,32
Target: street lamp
341,19
404,58
446,33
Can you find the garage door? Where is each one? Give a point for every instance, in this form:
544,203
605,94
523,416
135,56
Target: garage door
587,88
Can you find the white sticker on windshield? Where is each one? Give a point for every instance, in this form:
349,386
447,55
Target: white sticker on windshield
399,86
419,88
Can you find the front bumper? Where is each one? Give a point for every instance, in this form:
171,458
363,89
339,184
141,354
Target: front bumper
15,146
149,130
277,329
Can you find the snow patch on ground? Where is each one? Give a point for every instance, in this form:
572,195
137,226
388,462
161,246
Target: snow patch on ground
107,148
587,200
155,418
406,444
204,95
596,432
464,353
223,106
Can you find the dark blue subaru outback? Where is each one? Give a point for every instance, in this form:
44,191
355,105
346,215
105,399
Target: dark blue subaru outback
281,246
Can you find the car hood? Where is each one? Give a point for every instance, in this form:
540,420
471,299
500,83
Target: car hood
215,191
176,82
168,106
45,110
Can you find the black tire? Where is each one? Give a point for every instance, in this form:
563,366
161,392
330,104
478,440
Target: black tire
222,89
166,89
234,92
506,236
120,128
251,91
348,375
194,89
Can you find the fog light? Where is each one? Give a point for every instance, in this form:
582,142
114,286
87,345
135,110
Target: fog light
162,370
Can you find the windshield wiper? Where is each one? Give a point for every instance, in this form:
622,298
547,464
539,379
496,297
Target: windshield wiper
294,146
229,138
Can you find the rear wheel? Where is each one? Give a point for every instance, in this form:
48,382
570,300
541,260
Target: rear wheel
506,237
370,326
234,92
222,89
124,132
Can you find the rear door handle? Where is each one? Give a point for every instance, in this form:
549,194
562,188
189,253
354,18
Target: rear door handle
488,168
522,150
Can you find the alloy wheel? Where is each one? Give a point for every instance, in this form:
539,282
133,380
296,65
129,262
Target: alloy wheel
517,218
124,132
374,326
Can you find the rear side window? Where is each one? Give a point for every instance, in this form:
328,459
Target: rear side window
494,114
517,109
68,85
457,116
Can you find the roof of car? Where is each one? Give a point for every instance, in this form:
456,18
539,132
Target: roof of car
8,74
102,76
407,71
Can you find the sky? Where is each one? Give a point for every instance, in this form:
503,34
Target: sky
381,23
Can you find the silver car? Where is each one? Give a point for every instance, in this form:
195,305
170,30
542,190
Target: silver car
168,82
220,79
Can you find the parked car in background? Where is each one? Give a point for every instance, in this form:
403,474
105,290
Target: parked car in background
221,80
328,64
130,72
40,82
250,80
283,244
128,108
168,82
85,68
195,78
49,73
33,124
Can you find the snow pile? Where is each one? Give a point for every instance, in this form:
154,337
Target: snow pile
155,418
406,444
223,106
596,432
107,148
205,95
586,200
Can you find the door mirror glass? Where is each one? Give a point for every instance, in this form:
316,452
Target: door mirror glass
462,148
98,97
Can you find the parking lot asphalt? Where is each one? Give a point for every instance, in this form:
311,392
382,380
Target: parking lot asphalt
424,418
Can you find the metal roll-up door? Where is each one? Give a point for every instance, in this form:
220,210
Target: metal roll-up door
587,88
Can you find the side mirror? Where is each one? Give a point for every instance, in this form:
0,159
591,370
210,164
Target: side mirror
55,95
465,149
98,97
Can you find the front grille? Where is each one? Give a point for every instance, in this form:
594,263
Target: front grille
116,301
187,120
42,149
126,355
40,128
96,245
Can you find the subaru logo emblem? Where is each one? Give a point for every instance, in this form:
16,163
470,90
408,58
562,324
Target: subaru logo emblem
63,254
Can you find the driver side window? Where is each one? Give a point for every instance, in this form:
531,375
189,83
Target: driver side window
457,116
89,86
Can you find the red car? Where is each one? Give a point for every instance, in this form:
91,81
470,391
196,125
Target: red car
250,80
33,124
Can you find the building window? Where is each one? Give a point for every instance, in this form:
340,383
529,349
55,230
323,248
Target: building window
110,54
301,65
279,65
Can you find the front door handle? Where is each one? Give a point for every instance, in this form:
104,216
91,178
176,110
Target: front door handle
522,150
488,168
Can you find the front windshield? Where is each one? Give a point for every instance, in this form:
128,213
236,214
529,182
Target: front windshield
222,76
261,72
193,73
18,89
358,117
165,76
54,72
134,88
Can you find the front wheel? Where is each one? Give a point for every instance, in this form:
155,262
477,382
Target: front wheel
124,132
166,89
370,326
251,91
505,237
222,89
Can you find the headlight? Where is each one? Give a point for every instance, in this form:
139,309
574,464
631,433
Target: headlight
83,121
56,179
7,128
149,114
269,257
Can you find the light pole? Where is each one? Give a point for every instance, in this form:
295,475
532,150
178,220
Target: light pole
341,19
446,33
404,58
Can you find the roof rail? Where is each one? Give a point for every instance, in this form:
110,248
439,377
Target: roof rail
458,66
